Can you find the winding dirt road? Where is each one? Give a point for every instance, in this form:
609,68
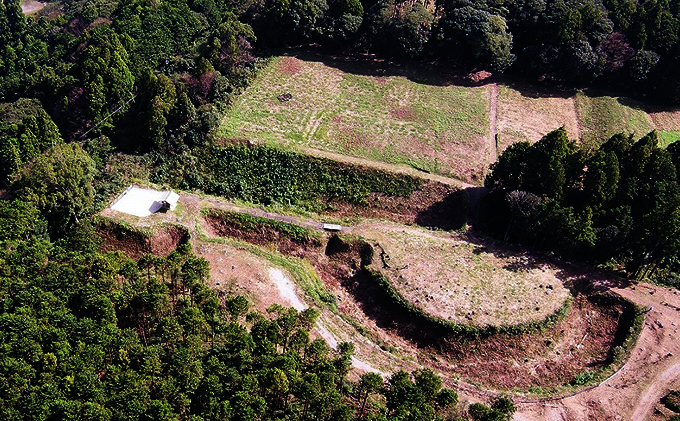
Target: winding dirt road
631,394
634,392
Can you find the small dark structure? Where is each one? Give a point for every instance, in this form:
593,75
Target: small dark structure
285,97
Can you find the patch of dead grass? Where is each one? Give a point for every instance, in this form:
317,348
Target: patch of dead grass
528,118
465,283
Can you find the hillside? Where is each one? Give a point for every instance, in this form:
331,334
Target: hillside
423,118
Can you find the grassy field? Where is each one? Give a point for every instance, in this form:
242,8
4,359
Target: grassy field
432,125
602,117
439,129
462,282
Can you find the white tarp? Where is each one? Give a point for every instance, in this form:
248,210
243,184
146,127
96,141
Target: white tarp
143,202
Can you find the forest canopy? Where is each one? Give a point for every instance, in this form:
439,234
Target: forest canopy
618,203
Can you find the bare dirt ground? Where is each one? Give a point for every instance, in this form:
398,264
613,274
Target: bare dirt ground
527,115
633,393
451,278
31,6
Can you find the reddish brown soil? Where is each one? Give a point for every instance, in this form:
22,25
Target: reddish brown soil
435,205
404,113
583,340
289,66
135,244
542,359
264,236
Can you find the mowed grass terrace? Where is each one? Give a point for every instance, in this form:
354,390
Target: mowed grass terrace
440,129
388,115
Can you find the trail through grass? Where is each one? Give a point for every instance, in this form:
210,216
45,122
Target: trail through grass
392,119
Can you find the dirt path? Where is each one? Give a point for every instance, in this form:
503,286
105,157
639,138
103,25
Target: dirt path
493,122
288,292
31,6
655,391
632,394
400,169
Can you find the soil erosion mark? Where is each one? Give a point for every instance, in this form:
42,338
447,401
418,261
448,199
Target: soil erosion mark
287,291
493,122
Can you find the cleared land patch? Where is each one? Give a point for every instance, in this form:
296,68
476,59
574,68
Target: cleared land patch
462,282
531,115
441,129
386,335
668,124
602,117
574,349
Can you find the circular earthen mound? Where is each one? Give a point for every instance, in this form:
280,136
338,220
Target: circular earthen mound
465,283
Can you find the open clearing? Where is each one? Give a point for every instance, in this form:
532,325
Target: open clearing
441,129
462,282
387,114
31,6
602,117
235,270
528,115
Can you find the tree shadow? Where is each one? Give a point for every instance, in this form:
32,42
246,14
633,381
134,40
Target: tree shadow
435,73
453,211
450,213
377,304
579,278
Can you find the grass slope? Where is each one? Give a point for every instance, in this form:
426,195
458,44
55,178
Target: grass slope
602,117
392,119
432,126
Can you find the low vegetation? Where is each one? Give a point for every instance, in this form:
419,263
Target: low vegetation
602,117
440,129
672,400
267,175
466,283
458,331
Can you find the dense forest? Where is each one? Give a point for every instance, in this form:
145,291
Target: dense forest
155,76
617,205
91,336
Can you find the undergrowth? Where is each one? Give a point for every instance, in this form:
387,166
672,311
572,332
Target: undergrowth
266,175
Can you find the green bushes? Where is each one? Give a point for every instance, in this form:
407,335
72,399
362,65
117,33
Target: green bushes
267,175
